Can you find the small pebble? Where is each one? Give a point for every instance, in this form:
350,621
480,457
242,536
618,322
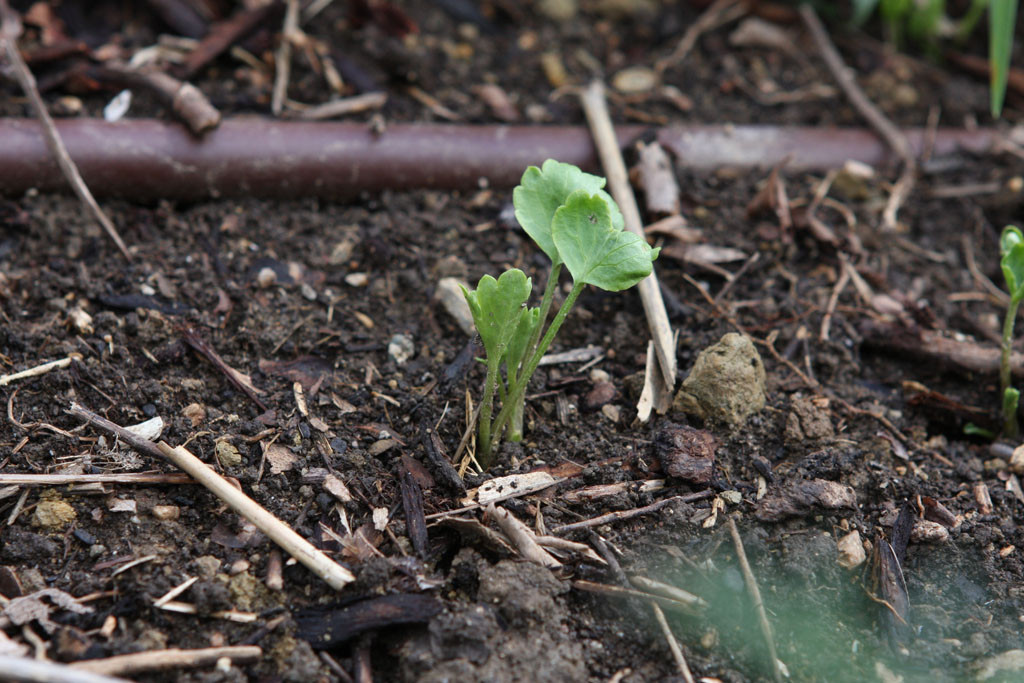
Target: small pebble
166,513
635,79
357,279
602,393
266,278
401,349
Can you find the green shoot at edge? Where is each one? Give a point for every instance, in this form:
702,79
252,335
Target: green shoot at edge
1011,250
579,226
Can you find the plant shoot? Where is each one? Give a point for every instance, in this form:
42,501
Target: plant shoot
1011,250
579,226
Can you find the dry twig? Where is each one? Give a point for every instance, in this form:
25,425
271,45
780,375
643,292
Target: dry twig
720,12
162,660
596,109
283,58
117,478
27,670
629,514
874,116
673,644
302,550
39,369
524,540
10,29
755,595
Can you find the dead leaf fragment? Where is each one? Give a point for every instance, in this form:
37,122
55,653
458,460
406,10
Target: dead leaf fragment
196,414
686,453
801,498
498,101
32,607
655,176
336,487
280,458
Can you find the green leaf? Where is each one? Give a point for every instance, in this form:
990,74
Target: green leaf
1011,401
862,9
1002,16
497,306
520,340
543,190
594,250
971,429
1011,249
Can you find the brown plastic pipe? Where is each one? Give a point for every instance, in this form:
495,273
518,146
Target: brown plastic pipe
151,159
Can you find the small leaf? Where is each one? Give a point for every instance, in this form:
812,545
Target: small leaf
520,339
1011,247
1002,16
594,250
497,306
543,190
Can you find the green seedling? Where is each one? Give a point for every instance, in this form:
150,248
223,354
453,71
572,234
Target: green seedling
579,226
1011,250
927,23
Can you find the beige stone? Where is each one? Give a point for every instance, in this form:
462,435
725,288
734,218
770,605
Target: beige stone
53,512
726,384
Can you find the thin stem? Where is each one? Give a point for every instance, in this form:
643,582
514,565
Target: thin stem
1004,361
515,430
545,308
518,392
486,404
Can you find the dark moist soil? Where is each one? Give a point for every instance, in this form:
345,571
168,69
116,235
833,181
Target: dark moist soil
348,279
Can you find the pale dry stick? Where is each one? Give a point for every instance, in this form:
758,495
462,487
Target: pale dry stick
39,369
175,592
66,479
596,109
10,29
163,660
302,550
622,592
755,595
134,563
26,670
334,574
833,301
892,135
668,590
283,58
466,435
721,12
980,279
344,106
234,615
524,540
18,506
673,644
865,107
629,514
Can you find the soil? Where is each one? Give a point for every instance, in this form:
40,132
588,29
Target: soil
311,297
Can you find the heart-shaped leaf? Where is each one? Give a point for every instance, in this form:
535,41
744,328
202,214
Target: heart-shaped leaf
1011,248
543,190
497,306
594,250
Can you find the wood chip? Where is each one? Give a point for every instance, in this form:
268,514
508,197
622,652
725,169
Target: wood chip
506,487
